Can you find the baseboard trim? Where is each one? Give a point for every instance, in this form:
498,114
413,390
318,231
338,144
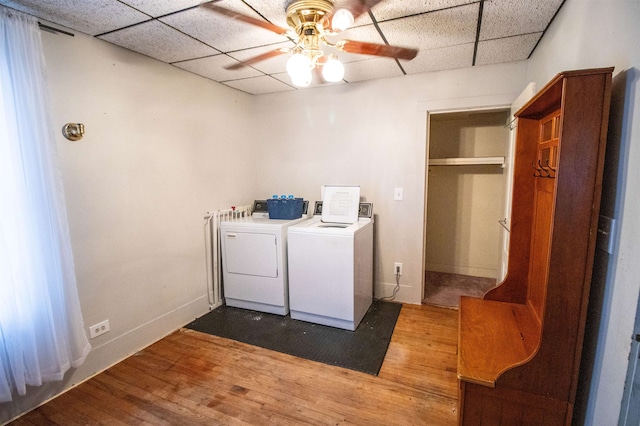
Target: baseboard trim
106,355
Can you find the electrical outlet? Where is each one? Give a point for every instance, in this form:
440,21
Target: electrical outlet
99,329
397,268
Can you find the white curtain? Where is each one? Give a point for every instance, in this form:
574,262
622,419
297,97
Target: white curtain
41,329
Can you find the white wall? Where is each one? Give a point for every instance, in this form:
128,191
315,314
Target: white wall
372,134
591,34
162,147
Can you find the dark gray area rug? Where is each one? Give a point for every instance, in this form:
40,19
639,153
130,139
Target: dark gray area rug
361,350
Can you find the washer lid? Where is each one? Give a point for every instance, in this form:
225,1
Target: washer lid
317,226
340,204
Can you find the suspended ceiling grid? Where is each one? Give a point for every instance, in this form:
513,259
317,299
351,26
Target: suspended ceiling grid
448,33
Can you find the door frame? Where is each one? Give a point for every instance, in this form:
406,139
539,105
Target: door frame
424,112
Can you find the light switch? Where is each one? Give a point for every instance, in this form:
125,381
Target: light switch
398,194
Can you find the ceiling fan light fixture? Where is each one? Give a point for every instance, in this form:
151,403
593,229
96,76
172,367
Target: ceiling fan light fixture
342,20
298,64
313,21
299,69
333,70
303,79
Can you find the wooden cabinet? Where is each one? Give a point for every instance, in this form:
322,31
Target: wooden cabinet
519,347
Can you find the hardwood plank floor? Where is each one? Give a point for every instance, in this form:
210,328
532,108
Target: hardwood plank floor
192,378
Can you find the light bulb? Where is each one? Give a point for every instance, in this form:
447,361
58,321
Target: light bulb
302,79
298,64
341,20
333,70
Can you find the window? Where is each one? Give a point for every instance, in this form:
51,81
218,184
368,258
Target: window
41,329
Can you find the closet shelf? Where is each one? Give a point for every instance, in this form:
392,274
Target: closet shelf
466,161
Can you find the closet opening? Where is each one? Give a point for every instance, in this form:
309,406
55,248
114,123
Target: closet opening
467,192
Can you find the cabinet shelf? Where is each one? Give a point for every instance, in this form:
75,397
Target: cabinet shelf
466,161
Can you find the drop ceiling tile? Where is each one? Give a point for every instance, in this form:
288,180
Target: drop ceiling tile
504,18
157,8
363,19
269,66
449,27
443,58
159,41
284,77
396,9
507,49
273,10
370,69
89,17
221,32
259,85
213,68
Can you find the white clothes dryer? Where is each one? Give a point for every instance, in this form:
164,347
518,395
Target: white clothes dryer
254,261
331,269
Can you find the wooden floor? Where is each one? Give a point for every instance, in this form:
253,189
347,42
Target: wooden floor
191,378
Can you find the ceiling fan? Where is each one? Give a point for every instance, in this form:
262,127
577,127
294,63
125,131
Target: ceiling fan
311,22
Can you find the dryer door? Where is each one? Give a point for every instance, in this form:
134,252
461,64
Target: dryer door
248,253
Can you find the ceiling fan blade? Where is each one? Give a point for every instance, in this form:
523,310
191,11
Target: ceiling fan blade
244,18
358,7
364,48
258,58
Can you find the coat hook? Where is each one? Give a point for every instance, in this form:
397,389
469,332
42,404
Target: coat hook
551,168
73,131
537,172
546,171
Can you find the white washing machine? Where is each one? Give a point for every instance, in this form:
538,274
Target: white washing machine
331,269
254,261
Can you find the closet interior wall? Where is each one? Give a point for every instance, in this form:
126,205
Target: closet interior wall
465,202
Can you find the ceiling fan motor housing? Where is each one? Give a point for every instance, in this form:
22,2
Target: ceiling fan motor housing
303,14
